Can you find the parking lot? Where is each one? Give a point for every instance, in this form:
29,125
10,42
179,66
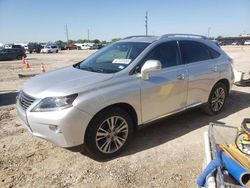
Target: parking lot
167,154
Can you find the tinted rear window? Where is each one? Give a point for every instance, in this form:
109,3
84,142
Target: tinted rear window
214,54
193,51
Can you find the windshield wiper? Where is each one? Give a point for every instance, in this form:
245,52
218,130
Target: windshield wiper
92,69
87,68
77,65
98,69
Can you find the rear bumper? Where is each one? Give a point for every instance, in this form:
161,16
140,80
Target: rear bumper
65,128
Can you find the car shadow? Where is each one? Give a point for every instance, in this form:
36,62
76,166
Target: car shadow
8,98
31,58
180,124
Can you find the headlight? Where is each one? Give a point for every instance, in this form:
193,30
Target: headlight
54,103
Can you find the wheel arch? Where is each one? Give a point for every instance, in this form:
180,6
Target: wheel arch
125,106
226,83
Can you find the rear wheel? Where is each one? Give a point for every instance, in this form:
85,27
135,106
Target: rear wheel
109,133
216,99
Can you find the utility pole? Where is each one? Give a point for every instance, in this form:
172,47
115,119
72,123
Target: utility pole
88,35
146,23
67,33
208,31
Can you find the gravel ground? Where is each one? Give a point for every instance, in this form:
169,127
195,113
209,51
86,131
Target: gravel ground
167,154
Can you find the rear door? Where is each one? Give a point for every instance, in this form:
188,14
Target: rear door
165,91
3,54
202,70
14,53
8,54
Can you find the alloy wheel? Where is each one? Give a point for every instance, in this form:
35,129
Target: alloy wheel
111,134
218,99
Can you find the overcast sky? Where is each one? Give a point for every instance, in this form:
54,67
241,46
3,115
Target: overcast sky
45,20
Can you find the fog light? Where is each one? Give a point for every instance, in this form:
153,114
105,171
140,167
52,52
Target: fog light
54,128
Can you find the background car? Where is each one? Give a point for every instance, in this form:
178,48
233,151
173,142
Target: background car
50,49
11,54
247,42
85,47
96,46
72,47
34,48
16,46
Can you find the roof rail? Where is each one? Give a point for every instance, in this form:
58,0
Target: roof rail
135,36
183,34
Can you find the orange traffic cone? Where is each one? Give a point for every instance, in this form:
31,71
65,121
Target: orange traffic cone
42,68
27,65
23,60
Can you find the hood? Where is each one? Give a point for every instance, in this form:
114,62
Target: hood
63,82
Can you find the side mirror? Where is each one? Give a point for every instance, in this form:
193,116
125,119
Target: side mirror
148,67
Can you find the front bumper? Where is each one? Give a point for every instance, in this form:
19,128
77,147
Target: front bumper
65,128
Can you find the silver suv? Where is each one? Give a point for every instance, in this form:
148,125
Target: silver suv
100,101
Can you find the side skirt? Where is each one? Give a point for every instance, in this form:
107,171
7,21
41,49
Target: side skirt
171,114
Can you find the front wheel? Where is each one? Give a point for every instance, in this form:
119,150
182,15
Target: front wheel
216,99
109,133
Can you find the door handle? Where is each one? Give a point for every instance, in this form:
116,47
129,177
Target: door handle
181,77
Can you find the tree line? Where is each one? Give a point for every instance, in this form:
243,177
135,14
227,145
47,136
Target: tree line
95,41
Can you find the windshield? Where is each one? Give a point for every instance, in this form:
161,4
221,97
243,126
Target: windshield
113,58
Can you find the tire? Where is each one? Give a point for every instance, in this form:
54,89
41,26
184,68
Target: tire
56,51
216,99
238,140
19,57
100,141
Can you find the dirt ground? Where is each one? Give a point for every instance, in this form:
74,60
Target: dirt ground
167,154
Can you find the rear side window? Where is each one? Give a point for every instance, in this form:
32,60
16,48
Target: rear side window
214,54
166,53
194,51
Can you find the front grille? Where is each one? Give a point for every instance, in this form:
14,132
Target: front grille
25,100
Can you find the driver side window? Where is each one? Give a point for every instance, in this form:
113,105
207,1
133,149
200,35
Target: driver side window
167,53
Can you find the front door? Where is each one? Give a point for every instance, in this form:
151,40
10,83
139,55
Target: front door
165,91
